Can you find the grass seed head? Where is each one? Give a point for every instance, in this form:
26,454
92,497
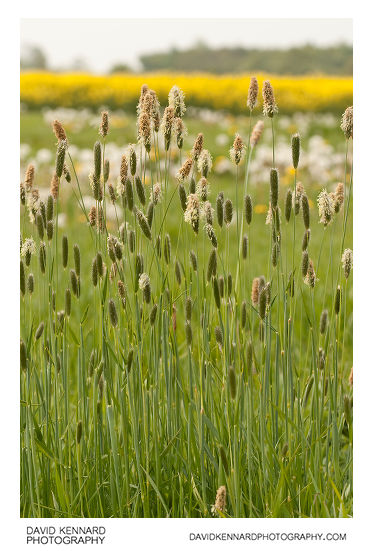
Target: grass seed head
269,103
306,211
228,211
60,158
288,204
326,207
248,209
68,302
252,96
65,250
30,283
245,245
306,239
193,260
94,272
59,131
113,313
216,292
140,190
204,163
256,133
104,126
188,333
274,187
323,321
219,210
305,262
197,147
347,262
337,302
212,264
183,197
74,283
42,257
295,149
347,123
22,278
39,331
29,177
220,501
79,432
237,151
219,336
153,314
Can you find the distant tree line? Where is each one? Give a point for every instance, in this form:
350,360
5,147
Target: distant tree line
301,60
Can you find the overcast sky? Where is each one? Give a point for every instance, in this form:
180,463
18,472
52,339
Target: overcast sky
104,42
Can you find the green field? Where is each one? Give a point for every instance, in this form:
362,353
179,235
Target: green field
131,418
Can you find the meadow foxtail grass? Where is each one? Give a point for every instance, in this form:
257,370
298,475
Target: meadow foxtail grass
162,374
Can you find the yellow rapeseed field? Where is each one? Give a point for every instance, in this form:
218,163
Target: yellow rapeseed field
310,93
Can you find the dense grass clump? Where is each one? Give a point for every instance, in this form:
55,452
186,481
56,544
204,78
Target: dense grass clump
184,351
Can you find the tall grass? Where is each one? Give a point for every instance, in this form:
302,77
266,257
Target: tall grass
155,380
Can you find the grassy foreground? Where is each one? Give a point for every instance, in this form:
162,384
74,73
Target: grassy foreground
162,372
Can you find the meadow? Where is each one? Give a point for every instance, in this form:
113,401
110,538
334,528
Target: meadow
186,321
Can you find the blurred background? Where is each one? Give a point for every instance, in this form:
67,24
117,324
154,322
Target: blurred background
73,69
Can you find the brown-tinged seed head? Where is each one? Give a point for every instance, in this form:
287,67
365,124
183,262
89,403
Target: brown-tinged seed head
92,216
351,377
310,278
269,103
104,126
197,147
338,197
29,177
347,123
124,170
60,158
252,96
237,151
153,315
220,501
347,262
255,291
184,171
256,133
59,131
